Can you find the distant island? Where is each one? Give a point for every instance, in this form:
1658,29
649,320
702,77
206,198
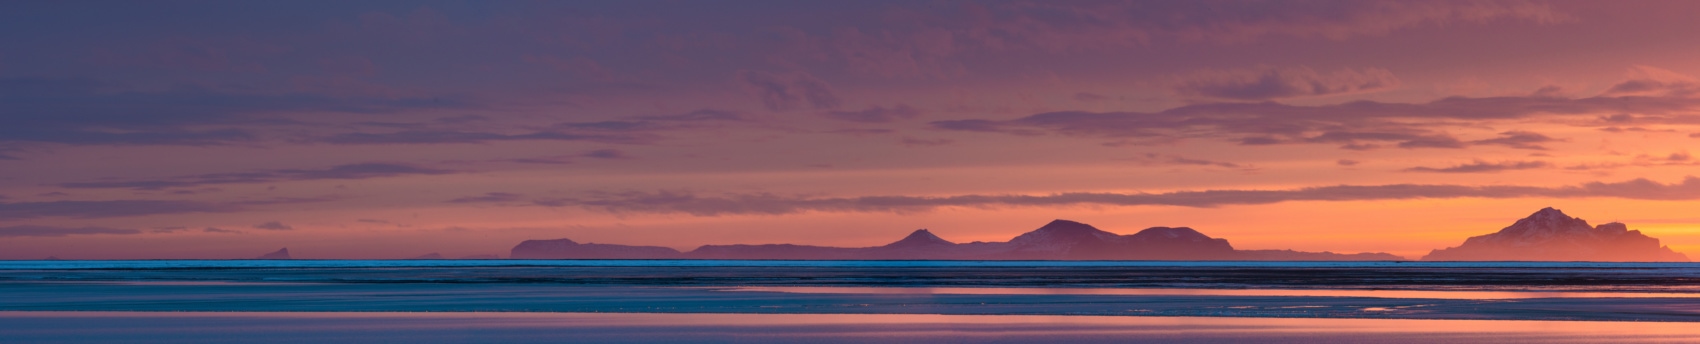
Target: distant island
1550,235
1058,240
1546,235
282,253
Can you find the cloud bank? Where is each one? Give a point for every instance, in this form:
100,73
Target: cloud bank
1275,83
51,231
349,171
1357,125
772,204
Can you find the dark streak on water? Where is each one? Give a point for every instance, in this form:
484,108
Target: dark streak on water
711,287
1625,277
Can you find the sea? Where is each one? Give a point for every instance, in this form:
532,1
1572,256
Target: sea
362,301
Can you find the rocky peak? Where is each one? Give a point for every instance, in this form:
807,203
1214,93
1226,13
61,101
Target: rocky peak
1063,231
1614,228
1172,233
1545,224
920,238
1179,241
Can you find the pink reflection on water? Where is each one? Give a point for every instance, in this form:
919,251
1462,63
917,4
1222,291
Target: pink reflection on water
551,327
1399,294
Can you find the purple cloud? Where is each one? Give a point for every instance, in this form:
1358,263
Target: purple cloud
86,112
349,171
454,137
1274,83
273,226
634,130
772,204
103,209
784,92
876,114
1519,139
606,154
1089,97
127,208
1480,166
50,231
917,142
1352,125
492,197
1170,159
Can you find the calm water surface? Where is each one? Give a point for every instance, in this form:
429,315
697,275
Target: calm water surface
133,327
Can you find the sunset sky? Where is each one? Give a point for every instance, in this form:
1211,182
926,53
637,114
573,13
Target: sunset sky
366,129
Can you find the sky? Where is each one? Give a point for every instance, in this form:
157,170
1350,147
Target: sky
392,129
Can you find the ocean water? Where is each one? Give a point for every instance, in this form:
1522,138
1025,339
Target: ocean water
1689,268
1433,276
668,300
344,327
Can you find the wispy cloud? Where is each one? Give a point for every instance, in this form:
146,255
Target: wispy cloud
1353,125
51,231
1170,159
773,204
919,142
454,137
876,114
87,112
604,154
100,209
1480,166
780,92
1275,83
633,130
349,171
126,208
491,197
274,226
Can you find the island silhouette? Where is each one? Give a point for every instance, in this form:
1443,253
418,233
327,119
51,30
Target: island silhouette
1546,235
1550,235
1058,240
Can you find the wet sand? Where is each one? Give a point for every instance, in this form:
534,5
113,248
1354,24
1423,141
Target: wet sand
345,327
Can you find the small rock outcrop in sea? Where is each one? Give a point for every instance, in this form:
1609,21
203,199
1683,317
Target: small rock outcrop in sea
427,256
568,249
282,253
1550,235
480,256
1058,240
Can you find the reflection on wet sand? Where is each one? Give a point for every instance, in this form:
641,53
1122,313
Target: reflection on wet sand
343,327
1400,294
